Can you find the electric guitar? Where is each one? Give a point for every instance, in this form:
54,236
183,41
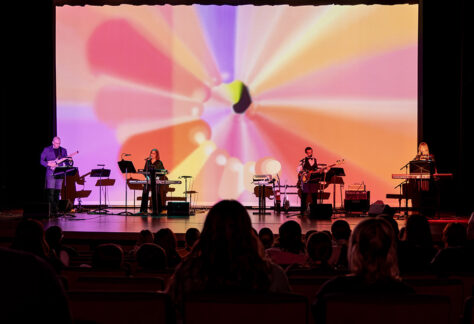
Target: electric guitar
305,176
54,163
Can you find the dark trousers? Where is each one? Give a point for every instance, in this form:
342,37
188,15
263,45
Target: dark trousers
314,197
53,200
145,193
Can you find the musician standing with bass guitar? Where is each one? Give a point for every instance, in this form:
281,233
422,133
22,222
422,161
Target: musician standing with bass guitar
51,157
307,165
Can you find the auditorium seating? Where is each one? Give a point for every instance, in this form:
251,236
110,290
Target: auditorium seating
107,307
118,283
386,309
307,286
245,308
451,288
468,313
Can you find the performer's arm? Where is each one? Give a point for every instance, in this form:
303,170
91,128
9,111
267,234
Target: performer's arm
63,155
44,162
299,168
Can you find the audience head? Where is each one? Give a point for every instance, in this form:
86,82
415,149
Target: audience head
145,236
29,237
393,223
191,236
308,234
319,247
341,230
54,236
228,250
454,234
266,237
290,237
372,250
167,240
328,232
417,231
151,256
107,256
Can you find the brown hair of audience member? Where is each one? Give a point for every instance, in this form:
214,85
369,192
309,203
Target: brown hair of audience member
228,252
108,256
29,237
319,247
290,237
266,237
417,231
151,256
145,236
191,236
454,235
372,251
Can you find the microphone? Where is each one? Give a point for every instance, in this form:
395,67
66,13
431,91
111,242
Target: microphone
148,158
126,154
100,164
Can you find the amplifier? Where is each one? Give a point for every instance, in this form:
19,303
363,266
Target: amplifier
357,201
320,211
357,195
178,208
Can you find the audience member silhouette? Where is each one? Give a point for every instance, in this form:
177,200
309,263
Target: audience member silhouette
393,223
227,258
341,231
190,237
455,256
319,249
30,290
290,248
416,251
266,237
151,257
145,236
108,256
54,237
167,240
307,235
372,263
29,237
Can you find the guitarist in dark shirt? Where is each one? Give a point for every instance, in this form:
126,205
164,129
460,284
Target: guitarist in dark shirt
306,165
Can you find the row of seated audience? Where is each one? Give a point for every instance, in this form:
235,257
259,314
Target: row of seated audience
230,256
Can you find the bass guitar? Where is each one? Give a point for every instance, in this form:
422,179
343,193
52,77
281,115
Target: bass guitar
305,176
54,163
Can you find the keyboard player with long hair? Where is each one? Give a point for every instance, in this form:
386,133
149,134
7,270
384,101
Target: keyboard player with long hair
152,162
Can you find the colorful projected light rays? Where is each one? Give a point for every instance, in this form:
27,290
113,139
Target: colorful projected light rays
341,79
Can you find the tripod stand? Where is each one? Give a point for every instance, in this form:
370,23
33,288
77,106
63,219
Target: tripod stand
126,167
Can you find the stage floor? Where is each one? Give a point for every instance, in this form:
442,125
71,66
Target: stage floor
84,222
110,224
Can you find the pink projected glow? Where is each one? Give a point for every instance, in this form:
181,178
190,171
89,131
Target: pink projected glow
342,79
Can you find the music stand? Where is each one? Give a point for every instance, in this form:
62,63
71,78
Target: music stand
63,172
126,167
334,176
100,173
